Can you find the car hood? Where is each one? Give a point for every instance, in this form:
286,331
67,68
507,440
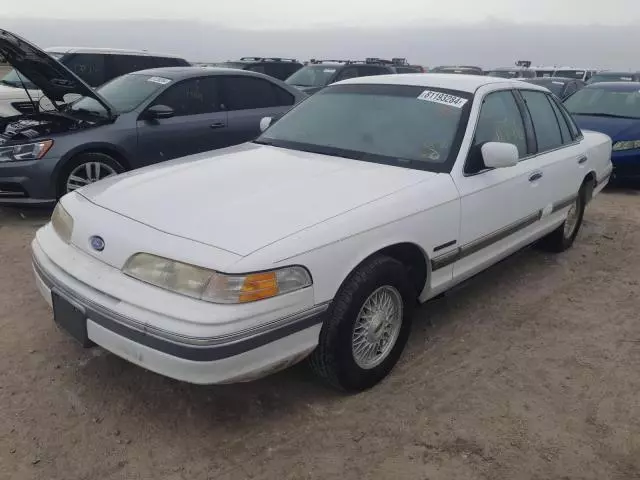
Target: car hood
53,78
243,198
616,128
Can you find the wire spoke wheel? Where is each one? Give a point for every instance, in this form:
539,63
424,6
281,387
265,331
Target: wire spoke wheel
573,216
377,327
87,173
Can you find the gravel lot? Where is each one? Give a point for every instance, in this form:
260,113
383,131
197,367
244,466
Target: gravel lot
530,371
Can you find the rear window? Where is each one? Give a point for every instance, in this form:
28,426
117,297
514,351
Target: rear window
313,76
503,73
605,102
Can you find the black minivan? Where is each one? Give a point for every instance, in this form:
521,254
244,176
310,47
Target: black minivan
94,65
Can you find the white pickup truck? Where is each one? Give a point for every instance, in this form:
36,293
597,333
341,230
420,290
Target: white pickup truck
317,239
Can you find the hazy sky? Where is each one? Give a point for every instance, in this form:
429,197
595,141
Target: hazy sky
263,14
488,33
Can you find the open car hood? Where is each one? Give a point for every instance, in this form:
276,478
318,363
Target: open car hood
52,77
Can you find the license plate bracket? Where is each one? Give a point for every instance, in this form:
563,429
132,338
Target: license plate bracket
70,318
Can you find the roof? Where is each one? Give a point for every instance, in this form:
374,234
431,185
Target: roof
108,51
464,83
179,73
616,86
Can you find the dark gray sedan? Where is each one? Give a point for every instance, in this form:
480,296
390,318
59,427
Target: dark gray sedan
135,120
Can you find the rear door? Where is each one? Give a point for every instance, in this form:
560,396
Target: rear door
558,152
199,123
247,100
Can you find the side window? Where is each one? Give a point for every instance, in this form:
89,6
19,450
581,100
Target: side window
169,62
564,128
348,72
370,71
500,120
545,124
573,128
258,68
244,93
117,65
276,70
191,97
88,66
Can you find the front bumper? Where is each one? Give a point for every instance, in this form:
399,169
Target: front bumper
28,183
626,165
236,356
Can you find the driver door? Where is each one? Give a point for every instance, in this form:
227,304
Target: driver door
499,207
199,123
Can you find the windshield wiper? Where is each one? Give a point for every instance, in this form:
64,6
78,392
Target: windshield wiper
607,115
87,111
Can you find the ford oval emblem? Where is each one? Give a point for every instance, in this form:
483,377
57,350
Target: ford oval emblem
97,243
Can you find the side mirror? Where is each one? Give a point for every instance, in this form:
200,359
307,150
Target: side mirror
499,154
265,122
159,111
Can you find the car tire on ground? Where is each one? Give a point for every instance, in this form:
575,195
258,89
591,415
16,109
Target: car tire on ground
562,238
87,168
366,327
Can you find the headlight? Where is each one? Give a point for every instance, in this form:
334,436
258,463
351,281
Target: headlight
62,223
626,145
25,151
212,286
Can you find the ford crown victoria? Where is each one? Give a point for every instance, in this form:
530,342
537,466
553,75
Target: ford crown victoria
317,239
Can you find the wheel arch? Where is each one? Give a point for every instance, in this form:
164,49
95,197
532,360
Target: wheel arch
589,184
96,147
411,255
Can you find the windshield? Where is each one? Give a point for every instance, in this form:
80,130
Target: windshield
312,76
612,77
503,73
578,74
393,124
605,102
17,80
125,93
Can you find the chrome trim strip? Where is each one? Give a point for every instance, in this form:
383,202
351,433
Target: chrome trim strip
484,242
563,203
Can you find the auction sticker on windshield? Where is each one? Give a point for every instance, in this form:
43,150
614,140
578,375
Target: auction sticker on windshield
442,98
160,80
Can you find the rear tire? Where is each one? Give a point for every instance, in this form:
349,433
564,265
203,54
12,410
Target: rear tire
367,326
562,238
87,168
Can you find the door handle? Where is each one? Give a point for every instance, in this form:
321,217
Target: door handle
535,176
582,159
217,125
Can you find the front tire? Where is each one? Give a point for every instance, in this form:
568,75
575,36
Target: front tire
85,169
367,326
562,238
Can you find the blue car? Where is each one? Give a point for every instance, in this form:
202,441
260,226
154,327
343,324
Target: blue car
612,108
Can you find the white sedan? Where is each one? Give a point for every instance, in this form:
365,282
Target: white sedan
317,239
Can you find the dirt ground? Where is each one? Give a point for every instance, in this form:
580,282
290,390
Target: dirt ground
530,371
